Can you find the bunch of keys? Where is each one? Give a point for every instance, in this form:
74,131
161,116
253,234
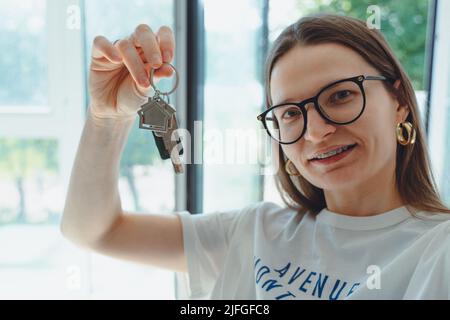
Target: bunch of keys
159,117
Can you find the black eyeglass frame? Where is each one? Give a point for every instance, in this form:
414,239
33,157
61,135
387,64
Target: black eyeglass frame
357,79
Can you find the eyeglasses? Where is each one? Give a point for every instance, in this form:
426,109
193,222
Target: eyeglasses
341,102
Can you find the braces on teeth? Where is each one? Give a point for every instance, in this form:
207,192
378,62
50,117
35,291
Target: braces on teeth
331,153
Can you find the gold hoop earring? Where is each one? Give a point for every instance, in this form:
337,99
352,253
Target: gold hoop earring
287,168
411,133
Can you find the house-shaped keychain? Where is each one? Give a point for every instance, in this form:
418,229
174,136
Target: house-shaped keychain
156,115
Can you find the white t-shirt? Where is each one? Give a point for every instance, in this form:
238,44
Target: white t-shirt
264,251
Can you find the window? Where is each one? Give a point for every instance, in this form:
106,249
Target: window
23,31
41,119
36,146
233,97
141,165
439,132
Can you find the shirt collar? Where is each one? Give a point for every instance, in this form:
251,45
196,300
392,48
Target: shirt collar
381,220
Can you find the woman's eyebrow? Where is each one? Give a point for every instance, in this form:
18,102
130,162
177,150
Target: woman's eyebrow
288,100
298,99
334,79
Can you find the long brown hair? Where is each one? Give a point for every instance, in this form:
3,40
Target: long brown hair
414,177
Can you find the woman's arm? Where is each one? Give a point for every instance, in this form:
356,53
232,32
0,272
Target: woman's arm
93,202
93,215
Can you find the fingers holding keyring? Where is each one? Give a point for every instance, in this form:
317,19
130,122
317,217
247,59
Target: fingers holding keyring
155,48
141,52
133,61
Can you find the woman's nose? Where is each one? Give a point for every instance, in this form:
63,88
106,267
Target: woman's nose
317,128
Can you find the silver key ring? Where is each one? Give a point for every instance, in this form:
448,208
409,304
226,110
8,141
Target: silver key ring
176,80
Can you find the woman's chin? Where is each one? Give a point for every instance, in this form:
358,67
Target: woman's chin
336,179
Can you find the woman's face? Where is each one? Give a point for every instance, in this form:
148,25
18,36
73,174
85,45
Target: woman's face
299,75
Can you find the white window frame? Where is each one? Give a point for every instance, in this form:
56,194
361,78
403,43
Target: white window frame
181,280
65,102
440,93
62,119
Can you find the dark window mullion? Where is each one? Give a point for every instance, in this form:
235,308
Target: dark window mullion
195,101
429,53
263,50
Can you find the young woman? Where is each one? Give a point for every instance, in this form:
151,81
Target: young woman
363,219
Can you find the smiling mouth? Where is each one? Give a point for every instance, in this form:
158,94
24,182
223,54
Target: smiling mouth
335,156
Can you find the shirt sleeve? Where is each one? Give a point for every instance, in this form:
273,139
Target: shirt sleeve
431,279
206,243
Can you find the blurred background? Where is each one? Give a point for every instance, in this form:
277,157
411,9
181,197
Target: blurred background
221,47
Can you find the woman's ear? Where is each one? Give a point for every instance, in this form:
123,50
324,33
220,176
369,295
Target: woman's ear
402,113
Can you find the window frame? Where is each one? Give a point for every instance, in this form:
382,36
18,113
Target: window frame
439,91
65,48
50,121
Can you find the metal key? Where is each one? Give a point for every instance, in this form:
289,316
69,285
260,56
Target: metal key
155,114
159,117
172,144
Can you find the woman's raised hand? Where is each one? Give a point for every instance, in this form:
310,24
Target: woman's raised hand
119,72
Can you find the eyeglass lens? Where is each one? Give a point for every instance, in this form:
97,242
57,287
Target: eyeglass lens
341,103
